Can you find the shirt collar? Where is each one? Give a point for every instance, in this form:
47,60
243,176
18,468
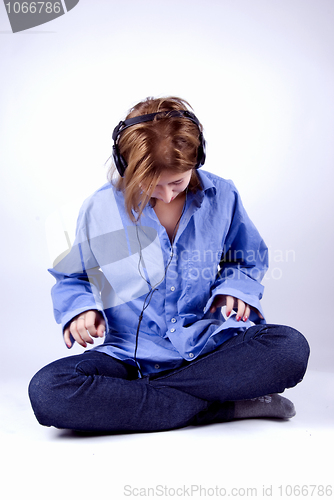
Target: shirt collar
207,184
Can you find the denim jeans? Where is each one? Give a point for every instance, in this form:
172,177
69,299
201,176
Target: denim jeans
95,392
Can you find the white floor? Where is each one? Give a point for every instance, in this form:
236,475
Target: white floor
258,458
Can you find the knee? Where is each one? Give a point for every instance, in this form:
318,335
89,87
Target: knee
295,351
297,344
300,351
40,395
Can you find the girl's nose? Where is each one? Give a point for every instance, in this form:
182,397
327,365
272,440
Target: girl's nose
166,194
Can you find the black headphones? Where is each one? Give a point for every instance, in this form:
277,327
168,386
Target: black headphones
119,161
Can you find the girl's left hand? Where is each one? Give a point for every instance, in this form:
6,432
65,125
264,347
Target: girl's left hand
243,309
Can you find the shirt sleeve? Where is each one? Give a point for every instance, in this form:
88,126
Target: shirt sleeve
78,279
244,261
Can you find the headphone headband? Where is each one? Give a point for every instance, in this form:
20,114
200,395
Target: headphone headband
119,161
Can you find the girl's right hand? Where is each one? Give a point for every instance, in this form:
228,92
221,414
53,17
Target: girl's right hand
83,327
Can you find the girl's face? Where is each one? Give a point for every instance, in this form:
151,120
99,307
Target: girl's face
170,185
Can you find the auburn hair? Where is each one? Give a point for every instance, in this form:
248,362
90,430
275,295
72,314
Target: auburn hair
165,143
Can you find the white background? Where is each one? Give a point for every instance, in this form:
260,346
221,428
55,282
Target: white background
260,77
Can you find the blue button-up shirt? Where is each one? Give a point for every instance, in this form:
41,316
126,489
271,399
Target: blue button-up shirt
120,268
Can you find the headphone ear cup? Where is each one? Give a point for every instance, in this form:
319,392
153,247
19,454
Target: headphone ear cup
201,152
119,161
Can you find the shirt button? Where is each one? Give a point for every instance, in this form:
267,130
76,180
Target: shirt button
172,330
191,355
173,320
172,288
157,366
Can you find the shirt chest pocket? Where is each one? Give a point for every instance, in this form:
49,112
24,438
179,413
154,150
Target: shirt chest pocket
200,272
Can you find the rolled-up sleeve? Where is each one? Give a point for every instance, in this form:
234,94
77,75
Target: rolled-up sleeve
244,260
78,279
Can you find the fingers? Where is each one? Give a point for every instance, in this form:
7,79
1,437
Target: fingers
219,301
229,305
232,303
67,337
94,323
243,309
85,326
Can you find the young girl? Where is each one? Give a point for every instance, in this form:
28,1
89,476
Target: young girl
159,251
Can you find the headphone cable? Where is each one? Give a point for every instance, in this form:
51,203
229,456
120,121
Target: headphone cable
149,296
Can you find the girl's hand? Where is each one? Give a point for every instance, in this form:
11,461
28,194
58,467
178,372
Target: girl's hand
83,327
243,310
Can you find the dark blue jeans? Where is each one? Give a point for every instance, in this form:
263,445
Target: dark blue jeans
95,392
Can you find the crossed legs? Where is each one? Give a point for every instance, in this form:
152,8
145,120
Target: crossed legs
95,392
